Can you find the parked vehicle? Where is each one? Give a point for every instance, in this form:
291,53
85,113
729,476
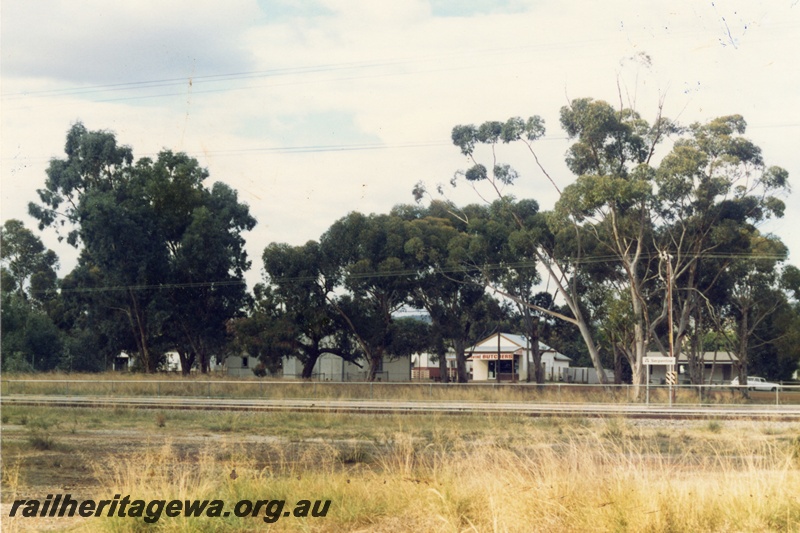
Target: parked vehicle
757,383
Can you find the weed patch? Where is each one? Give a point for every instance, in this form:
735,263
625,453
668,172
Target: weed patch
41,441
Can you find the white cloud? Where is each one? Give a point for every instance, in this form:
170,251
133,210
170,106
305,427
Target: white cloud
99,42
342,73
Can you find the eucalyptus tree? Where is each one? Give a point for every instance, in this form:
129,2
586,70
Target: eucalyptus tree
714,190
299,284
30,338
546,247
511,231
757,294
28,267
609,204
778,356
643,230
200,230
371,265
160,252
447,289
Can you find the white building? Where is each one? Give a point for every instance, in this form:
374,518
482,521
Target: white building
240,366
583,374
331,367
507,357
423,367
717,368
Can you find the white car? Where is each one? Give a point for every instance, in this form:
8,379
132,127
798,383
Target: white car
757,383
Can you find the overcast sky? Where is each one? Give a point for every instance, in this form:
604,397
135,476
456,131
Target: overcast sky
311,112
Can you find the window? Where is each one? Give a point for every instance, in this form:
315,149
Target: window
244,362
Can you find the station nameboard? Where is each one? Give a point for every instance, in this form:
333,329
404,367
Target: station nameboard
658,360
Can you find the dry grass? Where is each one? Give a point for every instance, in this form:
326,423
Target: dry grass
221,386
605,478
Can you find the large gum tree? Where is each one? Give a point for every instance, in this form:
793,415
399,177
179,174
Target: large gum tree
160,252
643,225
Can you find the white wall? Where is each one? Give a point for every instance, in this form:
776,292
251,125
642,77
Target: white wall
480,370
331,367
235,367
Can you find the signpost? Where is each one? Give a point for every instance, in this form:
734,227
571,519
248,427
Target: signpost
659,360
670,361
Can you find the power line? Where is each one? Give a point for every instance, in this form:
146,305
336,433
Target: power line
287,71
464,269
143,287
588,44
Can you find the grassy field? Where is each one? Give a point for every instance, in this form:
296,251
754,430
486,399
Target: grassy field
216,386
410,473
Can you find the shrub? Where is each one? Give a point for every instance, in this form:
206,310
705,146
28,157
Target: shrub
260,370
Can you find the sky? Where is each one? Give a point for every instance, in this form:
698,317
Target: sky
314,109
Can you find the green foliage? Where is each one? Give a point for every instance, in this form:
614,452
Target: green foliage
162,259
42,441
30,340
466,137
94,162
447,285
295,311
27,266
616,229
367,257
409,336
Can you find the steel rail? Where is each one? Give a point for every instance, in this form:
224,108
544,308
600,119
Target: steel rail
753,412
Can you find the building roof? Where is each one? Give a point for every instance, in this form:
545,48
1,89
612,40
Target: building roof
511,343
720,358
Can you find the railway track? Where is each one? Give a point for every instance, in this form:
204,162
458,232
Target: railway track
680,411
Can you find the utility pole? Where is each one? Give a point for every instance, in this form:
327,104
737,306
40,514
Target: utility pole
668,257
497,368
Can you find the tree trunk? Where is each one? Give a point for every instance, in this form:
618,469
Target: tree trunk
741,352
637,367
533,336
461,362
308,366
140,334
640,337
594,353
187,360
204,361
444,372
538,371
617,364
374,362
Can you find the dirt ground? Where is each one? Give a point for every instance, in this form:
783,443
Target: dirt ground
72,462
68,457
